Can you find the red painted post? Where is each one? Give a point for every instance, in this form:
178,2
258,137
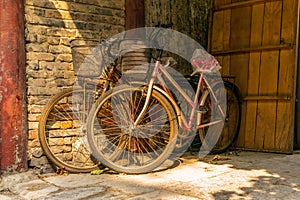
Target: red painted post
135,17
13,115
135,14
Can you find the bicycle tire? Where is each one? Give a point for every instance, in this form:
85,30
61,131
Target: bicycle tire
119,146
59,131
232,121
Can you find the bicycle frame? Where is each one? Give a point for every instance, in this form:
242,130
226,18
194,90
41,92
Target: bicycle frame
103,84
185,123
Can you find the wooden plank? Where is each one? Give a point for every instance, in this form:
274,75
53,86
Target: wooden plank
218,3
223,21
219,27
240,38
254,49
267,98
253,77
285,110
241,4
210,25
217,33
266,115
226,39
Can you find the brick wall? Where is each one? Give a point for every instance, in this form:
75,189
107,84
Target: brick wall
50,26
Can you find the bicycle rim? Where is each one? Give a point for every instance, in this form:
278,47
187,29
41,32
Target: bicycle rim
61,130
231,126
126,148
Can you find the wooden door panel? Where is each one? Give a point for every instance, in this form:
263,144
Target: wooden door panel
286,85
255,40
250,109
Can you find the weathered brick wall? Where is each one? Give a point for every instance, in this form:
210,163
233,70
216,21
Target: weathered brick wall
50,26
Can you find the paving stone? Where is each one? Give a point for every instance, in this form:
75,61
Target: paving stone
247,176
109,194
162,195
194,171
293,195
262,191
8,181
8,195
76,193
5,197
74,180
34,189
129,186
148,180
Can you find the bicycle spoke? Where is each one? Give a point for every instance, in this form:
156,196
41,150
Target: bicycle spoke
61,131
229,131
131,148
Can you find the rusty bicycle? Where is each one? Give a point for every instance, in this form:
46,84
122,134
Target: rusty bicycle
134,129
62,127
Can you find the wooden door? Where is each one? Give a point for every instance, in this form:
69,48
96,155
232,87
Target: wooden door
255,41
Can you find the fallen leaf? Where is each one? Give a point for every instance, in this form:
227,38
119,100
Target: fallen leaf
97,172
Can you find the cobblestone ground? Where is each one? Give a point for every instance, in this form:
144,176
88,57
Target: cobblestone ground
247,175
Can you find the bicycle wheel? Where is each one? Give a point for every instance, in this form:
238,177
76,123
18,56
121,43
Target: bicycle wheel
61,130
120,145
219,142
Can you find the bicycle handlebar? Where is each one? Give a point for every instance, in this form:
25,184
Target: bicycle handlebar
154,35
109,45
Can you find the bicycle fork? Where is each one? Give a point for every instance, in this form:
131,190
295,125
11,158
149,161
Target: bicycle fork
148,96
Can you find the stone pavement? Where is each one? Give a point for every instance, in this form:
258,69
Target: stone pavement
248,175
